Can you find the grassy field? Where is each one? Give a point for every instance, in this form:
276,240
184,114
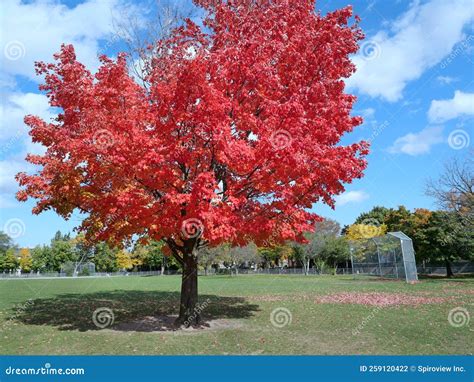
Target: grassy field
55,316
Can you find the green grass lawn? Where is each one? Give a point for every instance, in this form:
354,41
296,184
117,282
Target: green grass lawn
55,316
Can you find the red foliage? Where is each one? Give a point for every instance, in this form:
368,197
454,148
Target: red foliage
379,299
237,134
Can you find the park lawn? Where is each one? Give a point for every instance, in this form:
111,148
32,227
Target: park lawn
54,316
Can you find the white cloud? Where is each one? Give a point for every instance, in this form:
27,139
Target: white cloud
445,110
351,197
8,169
417,41
34,31
13,111
446,80
368,113
418,143
8,185
15,142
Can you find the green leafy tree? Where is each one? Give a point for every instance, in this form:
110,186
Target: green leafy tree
398,220
9,260
446,239
335,250
413,224
151,256
305,254
311,251
376,216
104,258
6,242
450,232
271,255
41,259
212,256
394,219
156,258
61,252
58,236
237,256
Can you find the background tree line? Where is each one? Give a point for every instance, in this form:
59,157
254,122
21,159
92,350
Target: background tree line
64,250
439,237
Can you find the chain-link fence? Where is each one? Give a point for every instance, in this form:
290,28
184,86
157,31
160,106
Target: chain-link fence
390,256
457,268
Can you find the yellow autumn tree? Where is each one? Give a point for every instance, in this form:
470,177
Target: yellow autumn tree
365,231
138,257
124,260
25,260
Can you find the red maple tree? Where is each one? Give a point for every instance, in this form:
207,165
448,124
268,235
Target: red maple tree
233,140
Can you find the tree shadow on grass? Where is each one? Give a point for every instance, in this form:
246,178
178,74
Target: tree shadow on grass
126,310
458,278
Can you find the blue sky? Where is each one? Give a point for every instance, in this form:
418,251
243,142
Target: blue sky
415,88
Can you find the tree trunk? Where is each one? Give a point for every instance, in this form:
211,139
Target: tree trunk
449,271
188,314
163,265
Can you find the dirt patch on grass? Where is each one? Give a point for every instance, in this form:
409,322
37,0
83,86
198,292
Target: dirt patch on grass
458,291
267,298
166,324
379,299
276,298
